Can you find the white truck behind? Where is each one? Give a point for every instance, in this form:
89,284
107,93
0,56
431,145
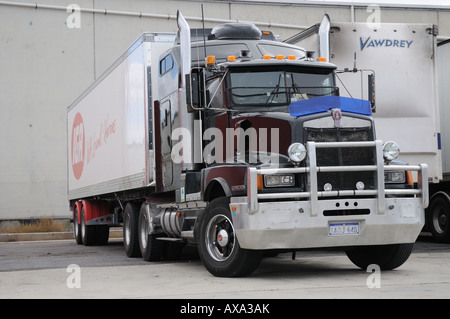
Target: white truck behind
412,95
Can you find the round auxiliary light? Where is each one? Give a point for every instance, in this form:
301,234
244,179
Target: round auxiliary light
328,187
390,151
297,152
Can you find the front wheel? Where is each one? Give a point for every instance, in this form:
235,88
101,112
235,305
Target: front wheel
387,257
218,246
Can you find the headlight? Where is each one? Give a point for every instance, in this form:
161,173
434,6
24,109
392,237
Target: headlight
390,151
297,152
394,177
279,180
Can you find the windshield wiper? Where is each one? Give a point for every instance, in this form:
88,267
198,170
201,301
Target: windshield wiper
274,91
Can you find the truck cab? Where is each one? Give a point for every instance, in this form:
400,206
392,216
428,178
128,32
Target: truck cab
264,106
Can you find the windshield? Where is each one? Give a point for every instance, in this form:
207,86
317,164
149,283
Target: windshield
279,87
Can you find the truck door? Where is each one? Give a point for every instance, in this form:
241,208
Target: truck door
166,141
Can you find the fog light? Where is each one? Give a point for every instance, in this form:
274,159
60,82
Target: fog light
327,187
360,186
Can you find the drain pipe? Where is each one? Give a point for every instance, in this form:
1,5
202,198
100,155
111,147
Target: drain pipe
147,15
165,16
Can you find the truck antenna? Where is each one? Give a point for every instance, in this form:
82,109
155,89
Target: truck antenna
204,36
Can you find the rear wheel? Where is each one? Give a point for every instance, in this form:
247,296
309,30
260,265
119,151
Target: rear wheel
88,235
102,234
76,225
218,246
151,248
130,230
387,257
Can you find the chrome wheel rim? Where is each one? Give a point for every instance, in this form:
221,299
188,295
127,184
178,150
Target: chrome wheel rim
127,231
83,224
440,220
220,238
143,232
76,228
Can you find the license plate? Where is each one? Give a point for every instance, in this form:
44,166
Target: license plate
342,229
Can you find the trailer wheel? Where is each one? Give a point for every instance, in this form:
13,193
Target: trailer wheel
131,230
387,257
151,248
88,234
76,225
218,246
438,218
102,234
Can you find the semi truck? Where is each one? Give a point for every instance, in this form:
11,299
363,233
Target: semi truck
231,140
412,95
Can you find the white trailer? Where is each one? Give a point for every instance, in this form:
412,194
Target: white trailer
411,92
110,141
438,213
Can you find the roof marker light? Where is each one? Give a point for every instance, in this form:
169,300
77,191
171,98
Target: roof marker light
291,57
231,58
267,57
210,60
279,57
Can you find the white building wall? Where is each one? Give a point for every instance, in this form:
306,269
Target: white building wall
45,65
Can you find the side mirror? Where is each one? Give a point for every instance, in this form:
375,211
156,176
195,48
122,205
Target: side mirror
371,90
195,99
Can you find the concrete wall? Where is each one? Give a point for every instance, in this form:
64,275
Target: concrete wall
45,65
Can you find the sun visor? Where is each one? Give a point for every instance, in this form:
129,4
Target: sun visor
325,103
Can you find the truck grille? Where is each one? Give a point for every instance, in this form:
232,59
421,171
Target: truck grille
343,157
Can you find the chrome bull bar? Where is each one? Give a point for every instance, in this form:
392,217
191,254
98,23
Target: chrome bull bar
314,194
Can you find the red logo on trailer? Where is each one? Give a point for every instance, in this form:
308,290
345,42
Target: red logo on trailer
78,146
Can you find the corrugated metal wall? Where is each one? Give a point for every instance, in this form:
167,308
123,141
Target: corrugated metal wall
49,54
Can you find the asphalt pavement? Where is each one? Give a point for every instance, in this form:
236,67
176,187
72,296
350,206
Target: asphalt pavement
63,269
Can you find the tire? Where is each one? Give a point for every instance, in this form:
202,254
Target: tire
76,225
102,234
87,232
438,219
387,257
218,246
131,230
151,249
